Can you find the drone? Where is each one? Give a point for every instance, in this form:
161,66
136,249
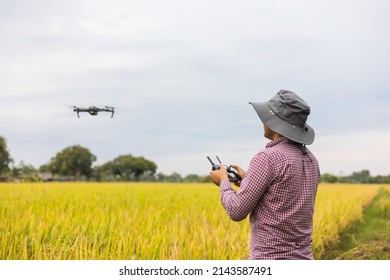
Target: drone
93,110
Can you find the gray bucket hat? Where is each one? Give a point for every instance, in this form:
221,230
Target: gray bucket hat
286,113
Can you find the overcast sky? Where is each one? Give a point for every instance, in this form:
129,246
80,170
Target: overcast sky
181,74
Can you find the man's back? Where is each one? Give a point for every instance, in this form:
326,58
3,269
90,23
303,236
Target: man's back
281,222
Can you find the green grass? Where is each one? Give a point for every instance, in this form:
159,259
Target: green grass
369,238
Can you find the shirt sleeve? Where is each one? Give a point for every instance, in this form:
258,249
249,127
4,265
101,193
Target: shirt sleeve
258,177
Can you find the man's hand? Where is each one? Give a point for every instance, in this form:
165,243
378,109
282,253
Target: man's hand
240,172
218,176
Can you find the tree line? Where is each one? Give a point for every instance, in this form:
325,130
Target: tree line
75,163
361,177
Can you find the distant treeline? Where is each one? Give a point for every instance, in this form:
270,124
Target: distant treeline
361,177
75,163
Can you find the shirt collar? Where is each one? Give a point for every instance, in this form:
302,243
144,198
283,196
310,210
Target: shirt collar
278,141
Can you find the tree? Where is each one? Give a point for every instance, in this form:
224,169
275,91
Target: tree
197,178
329,178
5,158
142,166
190,178
362,176
103,173
74,161
175,177
128,167
25,172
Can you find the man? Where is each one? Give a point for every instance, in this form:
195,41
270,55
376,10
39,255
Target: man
280,186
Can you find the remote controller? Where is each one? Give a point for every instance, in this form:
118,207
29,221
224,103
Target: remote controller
232,173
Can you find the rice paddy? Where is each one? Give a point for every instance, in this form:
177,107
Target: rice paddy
147,221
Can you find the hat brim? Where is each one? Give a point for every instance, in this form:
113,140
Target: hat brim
304,135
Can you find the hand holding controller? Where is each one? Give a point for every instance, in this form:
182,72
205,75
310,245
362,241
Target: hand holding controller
232,172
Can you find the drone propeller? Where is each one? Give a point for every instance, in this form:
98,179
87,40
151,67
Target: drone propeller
75,109
111,109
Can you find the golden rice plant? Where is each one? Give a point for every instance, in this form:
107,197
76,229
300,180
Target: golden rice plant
117,221
337,206
145,220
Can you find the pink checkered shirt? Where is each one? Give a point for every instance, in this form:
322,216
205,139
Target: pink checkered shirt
278,192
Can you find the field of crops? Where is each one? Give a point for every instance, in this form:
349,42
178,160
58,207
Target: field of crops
337,206
146,221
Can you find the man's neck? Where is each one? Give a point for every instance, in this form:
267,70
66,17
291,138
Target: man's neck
275,136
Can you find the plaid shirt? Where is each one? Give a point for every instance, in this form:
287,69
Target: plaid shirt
278,192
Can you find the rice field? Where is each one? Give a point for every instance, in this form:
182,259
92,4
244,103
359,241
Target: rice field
337,206
103,221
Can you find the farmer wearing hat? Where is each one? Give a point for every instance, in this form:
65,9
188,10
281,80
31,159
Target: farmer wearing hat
280,186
